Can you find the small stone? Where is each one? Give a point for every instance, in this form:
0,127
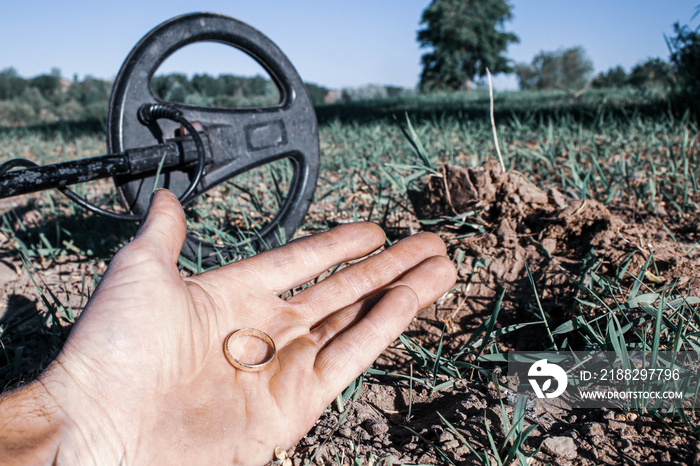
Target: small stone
594,429
451,445
660,210
506,235
325,456
461,451
550,245
563,447
375,428
623,428
624,444
632,416
282,458
531,194
445,436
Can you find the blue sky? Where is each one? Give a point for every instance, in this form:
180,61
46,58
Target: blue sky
332,43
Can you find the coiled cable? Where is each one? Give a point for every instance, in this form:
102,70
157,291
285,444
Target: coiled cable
147,114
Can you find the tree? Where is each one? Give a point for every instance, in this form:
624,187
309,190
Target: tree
90,91
615,77
685,58
11,84
564,69
653,72
207,85
317,93
467,37
49,85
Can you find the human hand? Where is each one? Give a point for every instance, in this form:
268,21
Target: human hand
143,379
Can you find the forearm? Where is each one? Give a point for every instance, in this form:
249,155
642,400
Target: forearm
31,426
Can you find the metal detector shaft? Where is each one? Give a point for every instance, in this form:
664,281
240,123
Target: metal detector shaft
130,162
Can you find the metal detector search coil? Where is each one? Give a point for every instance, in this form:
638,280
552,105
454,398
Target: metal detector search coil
143,136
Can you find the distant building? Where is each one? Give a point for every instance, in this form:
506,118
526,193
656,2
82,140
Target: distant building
332,97
65,84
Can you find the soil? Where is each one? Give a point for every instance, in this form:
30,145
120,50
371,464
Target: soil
496,226
378,426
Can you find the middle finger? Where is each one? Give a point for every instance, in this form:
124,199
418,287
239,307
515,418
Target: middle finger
366,277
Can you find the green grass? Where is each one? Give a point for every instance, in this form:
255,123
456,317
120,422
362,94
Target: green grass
614,147
648,160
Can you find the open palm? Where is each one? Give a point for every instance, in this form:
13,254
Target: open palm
144,366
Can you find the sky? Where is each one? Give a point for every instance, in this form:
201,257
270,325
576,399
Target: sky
332,43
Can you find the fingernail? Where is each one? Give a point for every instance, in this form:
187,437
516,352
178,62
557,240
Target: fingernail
153,194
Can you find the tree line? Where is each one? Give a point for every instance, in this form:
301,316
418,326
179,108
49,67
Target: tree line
571,69
49,98
227,91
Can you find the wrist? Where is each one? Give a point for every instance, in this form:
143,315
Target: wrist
54,420
86,435
31,426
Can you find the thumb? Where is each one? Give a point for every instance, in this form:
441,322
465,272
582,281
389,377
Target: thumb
164,228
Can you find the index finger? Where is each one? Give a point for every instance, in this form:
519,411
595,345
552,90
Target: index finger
301,260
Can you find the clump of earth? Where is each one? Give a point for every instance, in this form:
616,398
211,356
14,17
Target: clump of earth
496,224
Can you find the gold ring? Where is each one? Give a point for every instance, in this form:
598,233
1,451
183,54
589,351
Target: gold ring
249,332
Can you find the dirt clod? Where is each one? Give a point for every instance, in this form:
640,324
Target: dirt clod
563,447
512,222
